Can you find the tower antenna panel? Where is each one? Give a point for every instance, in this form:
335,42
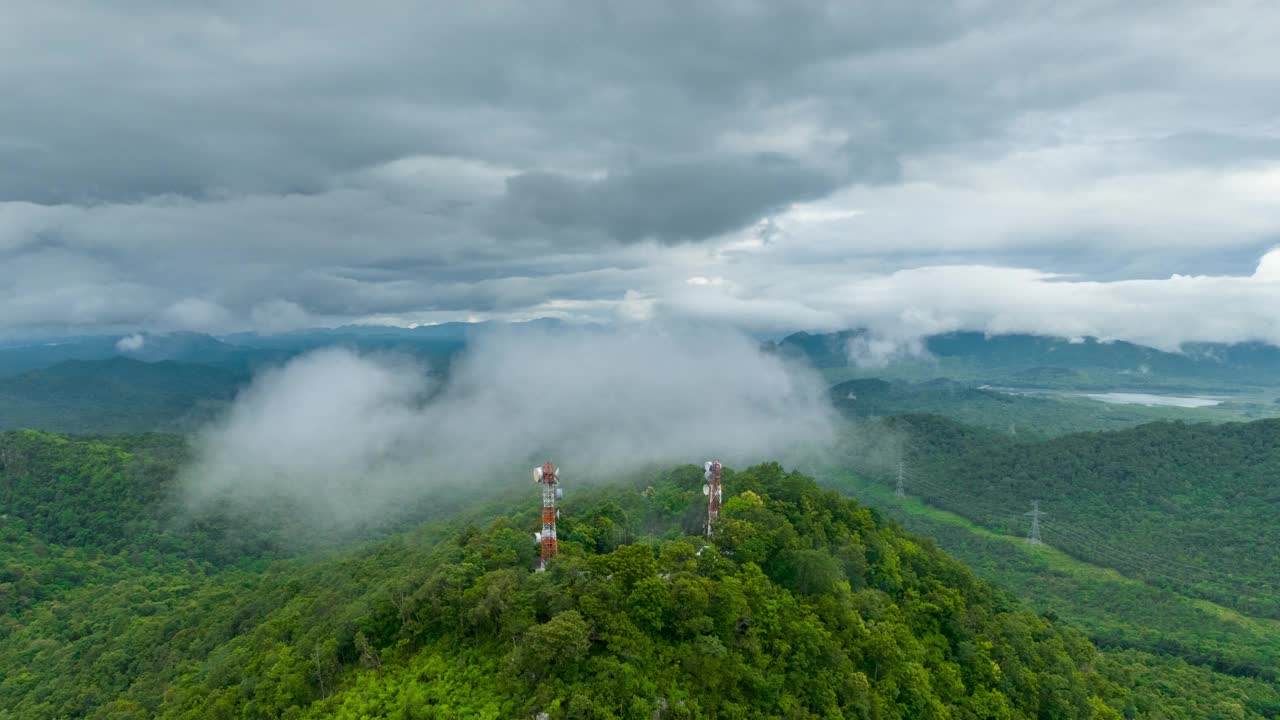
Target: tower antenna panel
711,471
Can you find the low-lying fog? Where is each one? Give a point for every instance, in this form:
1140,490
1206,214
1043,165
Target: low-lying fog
350,437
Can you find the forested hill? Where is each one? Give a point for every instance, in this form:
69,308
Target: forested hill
1187,506
806,605
117,395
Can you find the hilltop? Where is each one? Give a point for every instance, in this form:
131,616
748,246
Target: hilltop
805,604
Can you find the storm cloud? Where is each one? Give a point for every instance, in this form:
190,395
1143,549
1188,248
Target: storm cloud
236,166
682,200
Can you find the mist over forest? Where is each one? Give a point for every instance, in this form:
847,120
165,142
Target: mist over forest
352,436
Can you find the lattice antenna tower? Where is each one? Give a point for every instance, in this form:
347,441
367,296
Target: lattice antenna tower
711,473
548,476
900,490
1033,537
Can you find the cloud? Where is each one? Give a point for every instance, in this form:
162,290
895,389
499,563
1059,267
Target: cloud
131,343
902,306
195,313
277,316
343,163
680,200
351,439
871,351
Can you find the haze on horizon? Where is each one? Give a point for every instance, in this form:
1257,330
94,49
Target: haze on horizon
1071,169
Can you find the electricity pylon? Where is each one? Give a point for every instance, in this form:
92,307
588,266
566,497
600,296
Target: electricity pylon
1033,537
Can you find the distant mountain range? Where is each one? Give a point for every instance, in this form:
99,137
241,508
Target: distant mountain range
242,351
1034,358
436,336
170,381
150,348
175,382
252,350
117,395
1039,361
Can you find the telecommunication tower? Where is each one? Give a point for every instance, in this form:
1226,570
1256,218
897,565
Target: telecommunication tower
1033,537
900,491
548,476
712,490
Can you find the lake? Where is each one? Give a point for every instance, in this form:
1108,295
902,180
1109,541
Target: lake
1123,398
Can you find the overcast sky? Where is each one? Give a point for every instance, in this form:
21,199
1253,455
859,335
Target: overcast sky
1080,168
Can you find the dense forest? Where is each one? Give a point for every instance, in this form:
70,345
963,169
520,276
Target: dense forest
1186,506
805,605
1159,538
1115,611
117,395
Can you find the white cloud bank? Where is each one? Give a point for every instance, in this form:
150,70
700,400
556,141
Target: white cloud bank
131,343
350,438
901,306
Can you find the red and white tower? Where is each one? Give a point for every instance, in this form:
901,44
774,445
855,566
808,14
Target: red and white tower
549,477
712,490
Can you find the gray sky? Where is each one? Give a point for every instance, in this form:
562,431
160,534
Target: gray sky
1071,168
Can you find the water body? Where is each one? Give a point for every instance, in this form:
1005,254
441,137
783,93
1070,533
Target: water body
1121,398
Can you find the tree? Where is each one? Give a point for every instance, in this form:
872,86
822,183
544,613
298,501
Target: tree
556,647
